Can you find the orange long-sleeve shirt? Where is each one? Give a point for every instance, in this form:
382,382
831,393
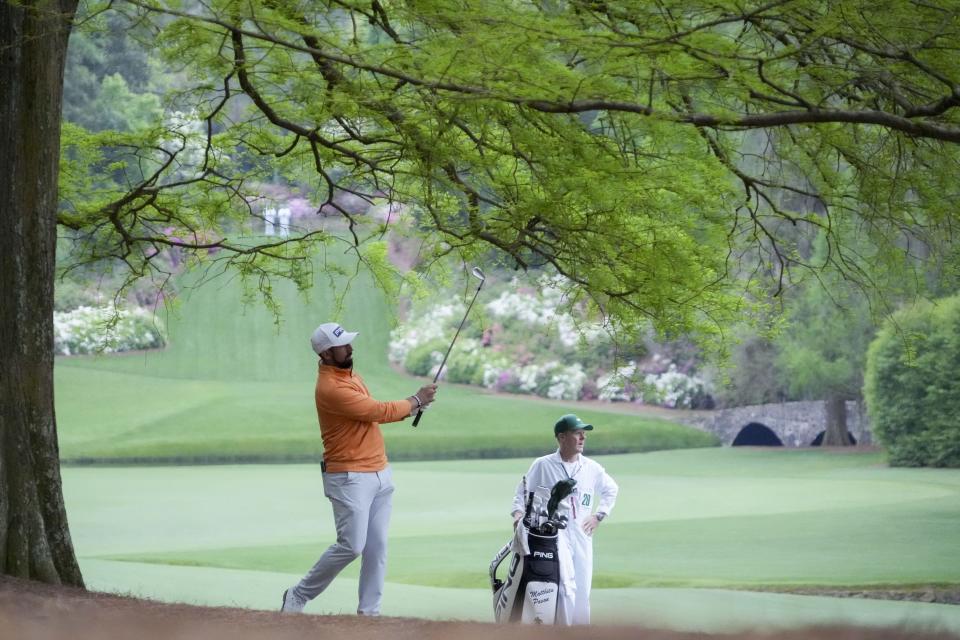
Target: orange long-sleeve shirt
350,421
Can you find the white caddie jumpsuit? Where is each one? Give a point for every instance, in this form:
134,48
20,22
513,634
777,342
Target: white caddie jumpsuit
595,491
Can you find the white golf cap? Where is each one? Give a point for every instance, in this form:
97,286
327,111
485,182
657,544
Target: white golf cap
330,334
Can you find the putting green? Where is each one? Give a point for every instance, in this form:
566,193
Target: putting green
720,518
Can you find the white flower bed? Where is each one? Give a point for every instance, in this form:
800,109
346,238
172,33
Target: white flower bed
541,309
550,369
422,329
670,388
673,388
614,387
105,330
567,382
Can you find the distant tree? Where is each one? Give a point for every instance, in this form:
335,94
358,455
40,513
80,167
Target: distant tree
822,351
829,323
751,375
109,80
603,140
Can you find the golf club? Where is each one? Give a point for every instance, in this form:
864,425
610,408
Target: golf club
477,273
561,490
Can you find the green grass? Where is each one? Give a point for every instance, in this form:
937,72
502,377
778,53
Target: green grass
104,415
810,519
233,386
217,332
719,518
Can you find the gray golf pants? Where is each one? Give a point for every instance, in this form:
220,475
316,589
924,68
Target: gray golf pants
361,510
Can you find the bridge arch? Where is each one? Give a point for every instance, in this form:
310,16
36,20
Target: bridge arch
757,434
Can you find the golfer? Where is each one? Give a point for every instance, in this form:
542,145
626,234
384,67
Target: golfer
592,500
356,477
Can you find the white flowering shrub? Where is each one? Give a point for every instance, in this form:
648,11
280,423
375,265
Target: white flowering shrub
566,383
423,328
530,344
495,374
673,388
541,309
617,386
105,330
669,388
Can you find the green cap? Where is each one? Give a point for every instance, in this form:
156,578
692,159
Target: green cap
570,422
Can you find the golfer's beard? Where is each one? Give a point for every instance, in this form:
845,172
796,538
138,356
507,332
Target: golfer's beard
346,364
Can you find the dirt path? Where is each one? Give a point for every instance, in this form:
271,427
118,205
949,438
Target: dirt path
34,611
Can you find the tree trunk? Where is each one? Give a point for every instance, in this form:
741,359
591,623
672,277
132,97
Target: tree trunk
34,537
836,434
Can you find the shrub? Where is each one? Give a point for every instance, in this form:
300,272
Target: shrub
465,364
422,359
669,388
675,389
912,389
535,341
70,295
425,328
87,330
618,386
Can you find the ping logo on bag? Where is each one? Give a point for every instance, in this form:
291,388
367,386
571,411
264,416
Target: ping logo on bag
542,554
505,594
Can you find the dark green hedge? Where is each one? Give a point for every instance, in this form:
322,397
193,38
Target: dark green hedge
913,385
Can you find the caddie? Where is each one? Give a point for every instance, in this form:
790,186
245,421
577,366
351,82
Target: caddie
356,477
590,503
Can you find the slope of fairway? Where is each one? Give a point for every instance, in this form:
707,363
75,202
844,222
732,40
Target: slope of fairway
106,415
234,386
218,331
720,518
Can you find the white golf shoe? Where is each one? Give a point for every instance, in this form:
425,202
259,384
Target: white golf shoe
291,603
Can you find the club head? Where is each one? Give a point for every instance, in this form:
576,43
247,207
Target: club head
478,273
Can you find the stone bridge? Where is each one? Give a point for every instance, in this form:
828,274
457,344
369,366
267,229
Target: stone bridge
792,424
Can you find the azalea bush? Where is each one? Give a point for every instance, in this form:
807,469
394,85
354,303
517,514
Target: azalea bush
105,329
534,341
658,381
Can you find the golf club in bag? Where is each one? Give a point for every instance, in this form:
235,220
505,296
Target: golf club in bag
477,273
530,593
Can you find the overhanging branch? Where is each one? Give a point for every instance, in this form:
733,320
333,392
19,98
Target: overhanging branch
894,122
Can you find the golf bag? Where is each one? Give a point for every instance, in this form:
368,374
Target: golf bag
530,593
532,587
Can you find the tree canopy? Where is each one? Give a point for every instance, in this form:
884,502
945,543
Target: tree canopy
665,157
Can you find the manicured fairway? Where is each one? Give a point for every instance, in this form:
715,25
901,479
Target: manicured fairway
108,415
717,518
234,386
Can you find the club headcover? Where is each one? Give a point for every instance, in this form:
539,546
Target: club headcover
561,490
